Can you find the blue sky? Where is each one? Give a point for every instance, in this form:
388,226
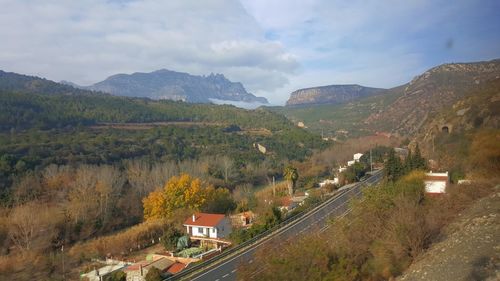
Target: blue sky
272,47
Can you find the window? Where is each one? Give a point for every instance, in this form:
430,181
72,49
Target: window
213,230
200,229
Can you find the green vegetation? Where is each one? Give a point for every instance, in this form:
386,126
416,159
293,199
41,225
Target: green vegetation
393,224
330,119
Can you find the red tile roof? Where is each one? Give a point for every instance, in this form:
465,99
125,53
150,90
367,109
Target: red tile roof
176,267
204,219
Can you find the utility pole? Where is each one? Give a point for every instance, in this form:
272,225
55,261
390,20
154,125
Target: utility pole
64,272
371,162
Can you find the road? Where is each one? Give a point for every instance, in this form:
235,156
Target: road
315,220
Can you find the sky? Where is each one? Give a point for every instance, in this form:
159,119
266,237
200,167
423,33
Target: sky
272,46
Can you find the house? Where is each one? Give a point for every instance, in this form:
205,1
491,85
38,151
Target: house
138,271
341,169
335,181
357,156
208,225
436,183
350,163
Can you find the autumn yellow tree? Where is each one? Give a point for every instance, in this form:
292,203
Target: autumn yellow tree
178,192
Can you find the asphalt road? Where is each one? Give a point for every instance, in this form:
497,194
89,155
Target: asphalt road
316,220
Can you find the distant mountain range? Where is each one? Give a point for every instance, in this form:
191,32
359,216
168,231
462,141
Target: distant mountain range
172,85
332,94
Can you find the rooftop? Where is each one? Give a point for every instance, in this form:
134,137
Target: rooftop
204,219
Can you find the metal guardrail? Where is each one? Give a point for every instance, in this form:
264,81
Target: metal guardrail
256,238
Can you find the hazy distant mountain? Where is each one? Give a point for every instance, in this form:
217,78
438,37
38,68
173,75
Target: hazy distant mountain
167,84
19,83
332,94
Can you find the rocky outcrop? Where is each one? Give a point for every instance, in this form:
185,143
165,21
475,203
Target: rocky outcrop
332,94
167,84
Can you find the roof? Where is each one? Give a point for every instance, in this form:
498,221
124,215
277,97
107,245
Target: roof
204,219
176,267
161,264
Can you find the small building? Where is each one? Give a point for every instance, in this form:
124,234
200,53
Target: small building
341,169
436,183
350,163
208,225
335,181
244,219
138,271
357,156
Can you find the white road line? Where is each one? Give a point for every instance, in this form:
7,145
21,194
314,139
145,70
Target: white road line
233,271
225,275
250,261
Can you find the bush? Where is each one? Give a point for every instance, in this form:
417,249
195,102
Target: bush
153,274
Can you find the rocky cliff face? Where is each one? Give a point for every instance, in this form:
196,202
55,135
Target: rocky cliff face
332,94
436,91
167,84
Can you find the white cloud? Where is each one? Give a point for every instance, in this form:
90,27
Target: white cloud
86,41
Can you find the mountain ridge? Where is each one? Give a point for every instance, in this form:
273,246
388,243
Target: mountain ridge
330,94
173,85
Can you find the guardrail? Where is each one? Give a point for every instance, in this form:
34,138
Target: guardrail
234,250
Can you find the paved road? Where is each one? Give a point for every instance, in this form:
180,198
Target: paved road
313,221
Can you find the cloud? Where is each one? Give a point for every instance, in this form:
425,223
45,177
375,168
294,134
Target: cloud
86,41
272,46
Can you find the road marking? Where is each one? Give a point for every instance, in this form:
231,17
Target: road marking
233,271
225,275
250,261
217,279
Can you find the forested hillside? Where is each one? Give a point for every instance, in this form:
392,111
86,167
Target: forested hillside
43,122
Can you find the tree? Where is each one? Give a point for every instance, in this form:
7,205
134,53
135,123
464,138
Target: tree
418,162
218,201
170,238
291,175
181,192
117,276
153,274
393,167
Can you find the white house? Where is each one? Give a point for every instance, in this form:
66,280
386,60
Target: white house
341,169
436,183
208,225
357,156
350,163
335,181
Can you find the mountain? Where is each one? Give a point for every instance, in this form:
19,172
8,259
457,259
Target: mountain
435,92
454,94
14,82
172,85
332,94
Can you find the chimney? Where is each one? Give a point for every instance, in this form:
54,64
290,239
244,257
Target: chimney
194,218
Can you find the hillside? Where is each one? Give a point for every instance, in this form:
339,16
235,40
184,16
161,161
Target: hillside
435,90
468,249
43,123
465,90
341,120
331,94
172,85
